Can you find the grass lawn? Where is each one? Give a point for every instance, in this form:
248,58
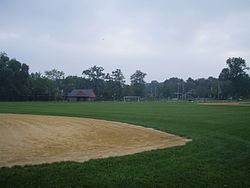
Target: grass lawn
218,156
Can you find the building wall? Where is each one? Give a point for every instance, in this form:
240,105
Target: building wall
72,99
82,99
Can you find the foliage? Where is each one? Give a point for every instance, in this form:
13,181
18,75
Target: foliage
153,90
13,78
18,85
118,77
236,73
138,83
96,75
54,74
114,85
237,67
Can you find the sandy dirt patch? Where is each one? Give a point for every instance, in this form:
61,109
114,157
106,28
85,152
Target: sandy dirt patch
36,139
228,104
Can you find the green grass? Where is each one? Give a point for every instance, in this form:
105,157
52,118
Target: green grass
218,156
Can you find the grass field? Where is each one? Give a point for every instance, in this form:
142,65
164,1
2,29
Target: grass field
218,156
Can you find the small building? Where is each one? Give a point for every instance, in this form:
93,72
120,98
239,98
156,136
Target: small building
81,95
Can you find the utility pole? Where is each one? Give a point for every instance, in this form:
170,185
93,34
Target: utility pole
183,91
218,94
155,91
178,90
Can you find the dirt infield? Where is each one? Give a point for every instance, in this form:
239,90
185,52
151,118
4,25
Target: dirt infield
36,139
228,104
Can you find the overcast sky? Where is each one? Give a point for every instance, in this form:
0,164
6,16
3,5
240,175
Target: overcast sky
181,38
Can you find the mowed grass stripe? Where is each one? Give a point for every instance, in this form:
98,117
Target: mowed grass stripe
218,156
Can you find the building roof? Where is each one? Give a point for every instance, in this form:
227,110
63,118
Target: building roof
82,93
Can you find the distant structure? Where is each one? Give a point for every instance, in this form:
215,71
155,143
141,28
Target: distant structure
131,98
81,95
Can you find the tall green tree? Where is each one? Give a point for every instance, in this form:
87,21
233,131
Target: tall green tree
96,75
56,78
190,88
118,83
54,74
13,78
118,76
138,83
236,73
153,90
237,67
41,88
172,88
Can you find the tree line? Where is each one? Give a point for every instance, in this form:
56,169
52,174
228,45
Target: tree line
17,84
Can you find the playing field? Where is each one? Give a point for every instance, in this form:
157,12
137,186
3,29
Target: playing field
36,139
218,156
226,104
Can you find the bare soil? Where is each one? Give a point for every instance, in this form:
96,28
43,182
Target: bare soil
36,139
228,104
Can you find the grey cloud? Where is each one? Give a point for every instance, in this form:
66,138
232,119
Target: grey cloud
163,38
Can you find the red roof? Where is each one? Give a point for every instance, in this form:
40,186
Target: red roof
82,93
